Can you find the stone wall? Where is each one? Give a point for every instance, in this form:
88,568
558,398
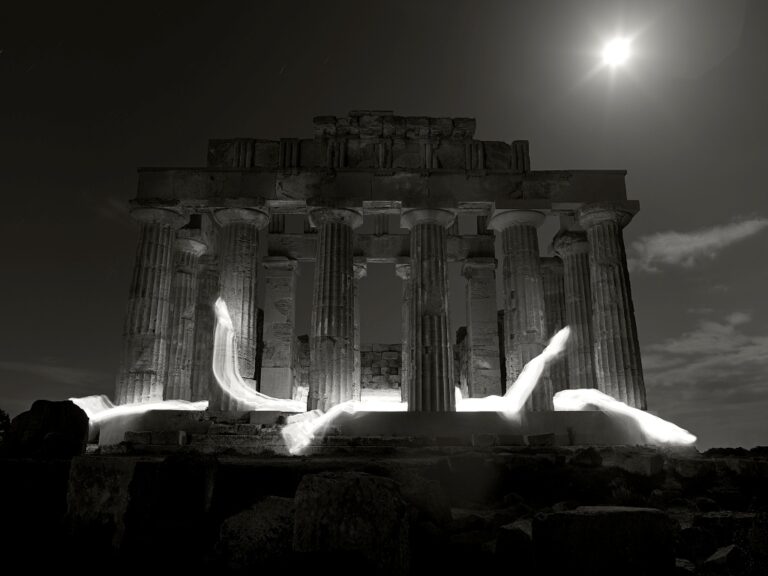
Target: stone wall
380,365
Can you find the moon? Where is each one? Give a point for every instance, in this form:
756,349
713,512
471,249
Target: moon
616,52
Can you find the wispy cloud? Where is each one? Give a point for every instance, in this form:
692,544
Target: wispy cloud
715,372
688,248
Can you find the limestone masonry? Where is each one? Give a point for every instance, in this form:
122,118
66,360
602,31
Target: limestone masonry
201,230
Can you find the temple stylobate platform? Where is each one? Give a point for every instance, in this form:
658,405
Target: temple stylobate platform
202,227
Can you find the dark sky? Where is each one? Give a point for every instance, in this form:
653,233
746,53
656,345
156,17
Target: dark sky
90,92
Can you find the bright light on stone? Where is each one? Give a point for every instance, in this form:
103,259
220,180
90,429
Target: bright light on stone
616,52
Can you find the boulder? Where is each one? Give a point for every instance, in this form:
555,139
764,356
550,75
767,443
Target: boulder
352,515
514,546
97,500
728,560
604,540
258,537
695,544
48,430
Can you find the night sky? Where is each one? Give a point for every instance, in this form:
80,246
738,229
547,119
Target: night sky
91,92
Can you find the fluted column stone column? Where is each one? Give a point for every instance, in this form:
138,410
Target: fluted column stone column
403,271
525,325
431,384
332,333
573,249
187,252
360,270
204,385
239,259
279,320
145,335
483,374
554,309
618,368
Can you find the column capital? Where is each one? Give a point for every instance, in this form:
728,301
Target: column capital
569,242
350,216
190,245
473,264
552,264
403,270
360,268
502,219
159,216
595,213
279,263
225,216
413,216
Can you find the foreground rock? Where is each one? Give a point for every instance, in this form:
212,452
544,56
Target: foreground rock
259,537
355,516
48,430
604,540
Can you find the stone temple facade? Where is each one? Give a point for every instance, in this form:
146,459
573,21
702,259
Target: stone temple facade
202,232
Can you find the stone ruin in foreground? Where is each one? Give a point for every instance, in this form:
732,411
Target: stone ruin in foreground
306,198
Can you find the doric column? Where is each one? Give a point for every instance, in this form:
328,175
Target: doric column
360,270
523,297
238,261
554,309
431,384
186,256
279,320
203,382
332,333
618,368
145,336
403,271
573,249
483,375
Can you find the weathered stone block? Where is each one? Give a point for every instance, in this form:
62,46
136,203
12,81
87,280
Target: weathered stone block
169,437
48,430
604,540
514,545
258,537
540,440
97,499
139,438
353,514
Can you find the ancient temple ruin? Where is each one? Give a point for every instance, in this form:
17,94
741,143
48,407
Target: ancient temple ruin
200,236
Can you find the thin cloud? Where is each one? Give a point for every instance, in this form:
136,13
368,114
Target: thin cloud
688,248
713,375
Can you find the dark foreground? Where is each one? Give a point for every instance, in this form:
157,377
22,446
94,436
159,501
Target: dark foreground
379,506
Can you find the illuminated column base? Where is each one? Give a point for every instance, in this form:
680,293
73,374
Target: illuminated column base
145,337
431,384
361,269
617,350
406,365
554,308
573,249
204,386
525,325
238,247
332,338
187,252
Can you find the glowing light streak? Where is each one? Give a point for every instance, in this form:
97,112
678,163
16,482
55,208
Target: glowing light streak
227,373
656,430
